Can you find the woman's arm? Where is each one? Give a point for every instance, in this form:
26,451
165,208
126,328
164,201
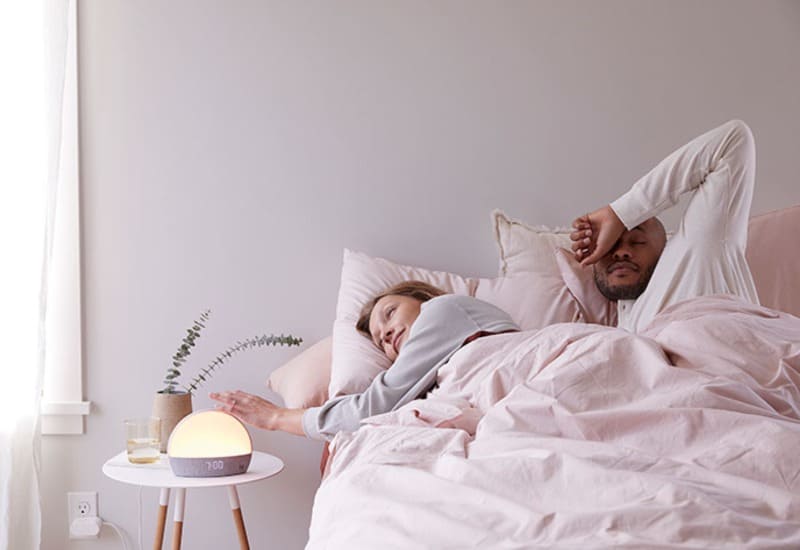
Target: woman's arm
446,323
260,413
443,326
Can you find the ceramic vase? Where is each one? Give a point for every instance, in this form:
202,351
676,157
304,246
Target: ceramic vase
170,408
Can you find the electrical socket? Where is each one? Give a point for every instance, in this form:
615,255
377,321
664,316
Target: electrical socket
81,505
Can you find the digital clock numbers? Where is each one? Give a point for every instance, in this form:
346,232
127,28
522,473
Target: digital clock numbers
215,465
219,466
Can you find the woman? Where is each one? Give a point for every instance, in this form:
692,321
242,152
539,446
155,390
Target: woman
418,327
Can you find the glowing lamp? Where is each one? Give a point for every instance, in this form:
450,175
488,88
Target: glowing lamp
209,443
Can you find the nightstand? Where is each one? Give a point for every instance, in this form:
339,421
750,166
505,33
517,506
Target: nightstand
159,474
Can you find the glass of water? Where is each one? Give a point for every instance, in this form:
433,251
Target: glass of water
143,437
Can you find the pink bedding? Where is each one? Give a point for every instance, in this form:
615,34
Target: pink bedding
582,436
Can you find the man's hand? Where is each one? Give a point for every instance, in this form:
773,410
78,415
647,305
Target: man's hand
595,235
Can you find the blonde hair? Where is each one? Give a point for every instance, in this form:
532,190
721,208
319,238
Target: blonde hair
414,289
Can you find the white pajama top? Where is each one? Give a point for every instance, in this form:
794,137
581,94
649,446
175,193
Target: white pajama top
707,253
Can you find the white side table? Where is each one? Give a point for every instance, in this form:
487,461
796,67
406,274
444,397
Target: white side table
159,474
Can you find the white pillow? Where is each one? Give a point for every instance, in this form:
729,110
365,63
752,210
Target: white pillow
527,248
533,300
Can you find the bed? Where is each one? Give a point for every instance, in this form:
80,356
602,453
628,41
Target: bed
578,435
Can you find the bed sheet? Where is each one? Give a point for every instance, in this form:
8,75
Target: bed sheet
582,436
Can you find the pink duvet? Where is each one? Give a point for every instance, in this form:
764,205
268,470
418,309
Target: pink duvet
581,436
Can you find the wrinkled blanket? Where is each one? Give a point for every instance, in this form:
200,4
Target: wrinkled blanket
582,436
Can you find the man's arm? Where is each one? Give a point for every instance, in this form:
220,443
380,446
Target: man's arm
719,163
595,234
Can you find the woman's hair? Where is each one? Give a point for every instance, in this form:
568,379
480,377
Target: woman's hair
414,289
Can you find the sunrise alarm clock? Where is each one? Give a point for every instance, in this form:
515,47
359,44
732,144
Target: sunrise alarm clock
209,443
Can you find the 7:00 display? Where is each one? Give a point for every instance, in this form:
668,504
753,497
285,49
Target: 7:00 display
215,464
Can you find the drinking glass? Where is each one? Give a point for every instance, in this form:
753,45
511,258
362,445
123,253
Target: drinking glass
143,437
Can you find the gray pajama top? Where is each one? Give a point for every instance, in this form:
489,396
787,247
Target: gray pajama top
443,325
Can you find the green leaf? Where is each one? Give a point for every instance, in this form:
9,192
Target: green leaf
240,345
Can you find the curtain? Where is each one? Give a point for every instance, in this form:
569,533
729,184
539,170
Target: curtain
32,67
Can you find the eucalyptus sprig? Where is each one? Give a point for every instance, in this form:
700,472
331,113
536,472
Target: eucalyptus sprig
255,342
184,351
188,342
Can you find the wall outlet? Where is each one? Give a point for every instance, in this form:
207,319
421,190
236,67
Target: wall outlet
80,507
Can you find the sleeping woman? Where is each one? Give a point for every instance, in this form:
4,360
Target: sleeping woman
418,327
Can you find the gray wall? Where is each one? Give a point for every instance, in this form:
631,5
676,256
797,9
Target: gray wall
230,150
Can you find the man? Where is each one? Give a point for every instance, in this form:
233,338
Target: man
627,246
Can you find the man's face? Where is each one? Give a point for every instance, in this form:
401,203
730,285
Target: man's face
624,272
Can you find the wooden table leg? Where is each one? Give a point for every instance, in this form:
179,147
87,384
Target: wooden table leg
163,503
177,529
233,496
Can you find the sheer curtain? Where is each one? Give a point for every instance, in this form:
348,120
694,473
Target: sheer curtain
32,61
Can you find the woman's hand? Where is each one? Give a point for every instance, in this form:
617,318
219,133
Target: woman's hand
595,235
260,413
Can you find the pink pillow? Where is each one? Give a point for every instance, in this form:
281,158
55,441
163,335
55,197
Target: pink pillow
773,253
541,250
303,381
533,300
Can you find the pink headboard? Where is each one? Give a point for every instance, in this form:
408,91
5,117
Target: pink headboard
773,252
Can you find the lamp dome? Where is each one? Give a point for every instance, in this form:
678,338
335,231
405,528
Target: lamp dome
209,443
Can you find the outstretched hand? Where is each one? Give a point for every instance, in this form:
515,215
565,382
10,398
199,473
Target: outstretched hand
250,409
595,235
260,413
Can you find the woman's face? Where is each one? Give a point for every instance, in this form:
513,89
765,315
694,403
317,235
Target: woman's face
390,322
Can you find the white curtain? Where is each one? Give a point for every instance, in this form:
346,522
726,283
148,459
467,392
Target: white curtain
33,38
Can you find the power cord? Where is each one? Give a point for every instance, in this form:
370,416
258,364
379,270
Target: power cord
140,517
119,532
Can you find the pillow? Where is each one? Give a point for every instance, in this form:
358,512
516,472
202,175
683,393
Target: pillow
538,249
303,381
533,300
773,253
526,248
